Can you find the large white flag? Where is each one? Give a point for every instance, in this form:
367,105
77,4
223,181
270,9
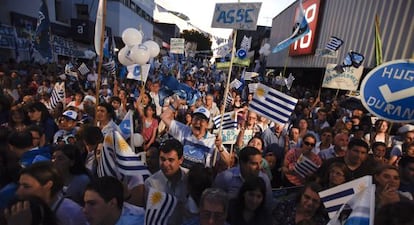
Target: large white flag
335,197
359,210
98,26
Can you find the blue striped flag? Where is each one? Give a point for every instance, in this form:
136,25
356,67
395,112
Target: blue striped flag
229,121
58,95
334,43
301,29
42,35
272,104
335,197
118,159
160,207
359,210
305,167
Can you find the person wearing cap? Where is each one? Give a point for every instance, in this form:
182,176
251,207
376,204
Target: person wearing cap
67,126
407,134
199,144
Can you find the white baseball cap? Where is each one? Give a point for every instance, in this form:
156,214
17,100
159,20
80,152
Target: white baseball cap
406,128
71,114
202,111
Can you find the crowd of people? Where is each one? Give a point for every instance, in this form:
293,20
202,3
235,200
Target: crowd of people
49,156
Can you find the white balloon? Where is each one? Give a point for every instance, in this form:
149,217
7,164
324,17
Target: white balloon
124,56
140,54
153,48
266,46
131,36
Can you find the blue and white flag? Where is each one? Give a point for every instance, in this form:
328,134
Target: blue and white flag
272,104
138,72
126,125
335,197
159,208
42,36
118,159
359,210
229,121
57,95
305,167
301,28
334,43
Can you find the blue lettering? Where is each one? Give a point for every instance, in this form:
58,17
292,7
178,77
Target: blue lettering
222,17
230,16
247,17
240,15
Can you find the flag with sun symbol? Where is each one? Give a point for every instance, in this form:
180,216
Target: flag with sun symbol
118,159
160,207
272,104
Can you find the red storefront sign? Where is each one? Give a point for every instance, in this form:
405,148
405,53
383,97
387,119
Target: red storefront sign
306,45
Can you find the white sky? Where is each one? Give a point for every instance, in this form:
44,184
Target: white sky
200,12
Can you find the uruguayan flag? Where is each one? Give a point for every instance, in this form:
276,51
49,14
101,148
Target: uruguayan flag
272,104
359,210
305,167
118,160
160,207
335,197
334,43
229,121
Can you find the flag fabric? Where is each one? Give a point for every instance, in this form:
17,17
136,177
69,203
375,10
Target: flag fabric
301,29
236,84
253,87
106,49
110,66
159,208
229,100
289,81
334,43
352,59
378,42
42,35
83,69
58,95
250,75
359,210
229,121
135,72
246,43
272,104
305,167
335,197
126,125
118,159
98,26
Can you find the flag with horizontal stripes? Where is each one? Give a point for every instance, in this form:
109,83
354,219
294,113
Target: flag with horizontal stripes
359,210
110,66
301,28
160,206
272,104
305,167
58,94
229,121
334,43
335,197
229,100
118,159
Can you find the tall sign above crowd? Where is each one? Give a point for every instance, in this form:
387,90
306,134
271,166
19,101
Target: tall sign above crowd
306,44
241,16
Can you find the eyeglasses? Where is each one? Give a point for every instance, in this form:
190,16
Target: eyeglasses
309,144
205,215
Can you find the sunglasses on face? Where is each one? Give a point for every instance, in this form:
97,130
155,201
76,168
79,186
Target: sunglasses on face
309,144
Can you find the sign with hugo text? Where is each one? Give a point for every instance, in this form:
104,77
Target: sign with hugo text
388,91
348,80
241,16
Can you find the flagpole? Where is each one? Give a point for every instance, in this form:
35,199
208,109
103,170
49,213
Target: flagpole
226,91
101,43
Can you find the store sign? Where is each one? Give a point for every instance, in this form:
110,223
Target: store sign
388,91
306,45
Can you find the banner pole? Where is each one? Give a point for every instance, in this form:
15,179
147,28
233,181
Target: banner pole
101,44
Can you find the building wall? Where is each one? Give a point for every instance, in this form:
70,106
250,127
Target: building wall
353,22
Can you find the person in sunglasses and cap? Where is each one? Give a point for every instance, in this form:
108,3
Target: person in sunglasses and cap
294,167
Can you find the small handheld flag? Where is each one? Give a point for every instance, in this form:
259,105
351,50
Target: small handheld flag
229,121
160,207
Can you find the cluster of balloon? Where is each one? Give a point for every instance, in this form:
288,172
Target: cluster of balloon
134,51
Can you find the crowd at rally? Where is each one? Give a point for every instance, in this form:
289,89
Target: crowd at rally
51,156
